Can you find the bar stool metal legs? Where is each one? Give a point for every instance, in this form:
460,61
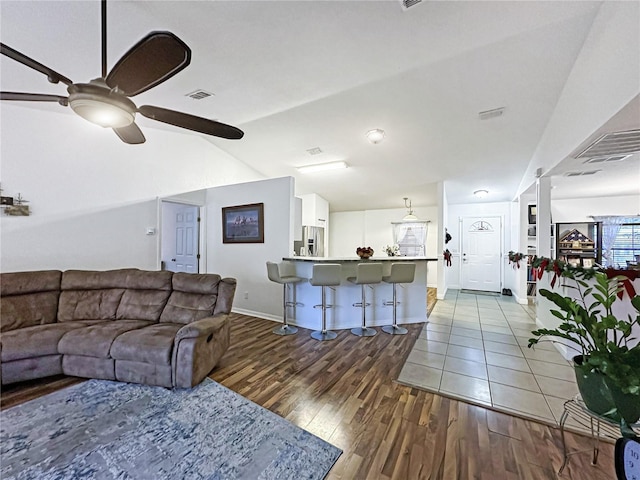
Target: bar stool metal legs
325,275
285,328
285,278
366,275
324,334
363,331
401,272
394,329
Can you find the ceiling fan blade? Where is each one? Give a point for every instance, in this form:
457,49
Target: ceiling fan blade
52,75
191,122
34,97
130,134
151,61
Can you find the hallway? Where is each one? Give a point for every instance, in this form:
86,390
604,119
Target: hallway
474,348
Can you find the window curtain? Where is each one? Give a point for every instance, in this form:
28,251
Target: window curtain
610,228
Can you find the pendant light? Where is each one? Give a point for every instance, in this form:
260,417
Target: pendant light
409,217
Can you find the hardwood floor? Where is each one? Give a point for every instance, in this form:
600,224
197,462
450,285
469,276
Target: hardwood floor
343,391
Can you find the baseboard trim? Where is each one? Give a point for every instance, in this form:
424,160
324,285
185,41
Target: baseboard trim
252,313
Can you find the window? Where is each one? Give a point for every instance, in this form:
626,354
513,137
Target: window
626,246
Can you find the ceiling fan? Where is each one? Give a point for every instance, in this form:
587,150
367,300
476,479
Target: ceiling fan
105,100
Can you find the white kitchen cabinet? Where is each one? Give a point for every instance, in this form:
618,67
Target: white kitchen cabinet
315,211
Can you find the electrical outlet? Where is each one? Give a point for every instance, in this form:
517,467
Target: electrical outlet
246,295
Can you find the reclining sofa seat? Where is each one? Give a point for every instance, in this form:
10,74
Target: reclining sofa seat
156,328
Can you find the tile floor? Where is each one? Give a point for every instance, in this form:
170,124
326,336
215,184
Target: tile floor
474,347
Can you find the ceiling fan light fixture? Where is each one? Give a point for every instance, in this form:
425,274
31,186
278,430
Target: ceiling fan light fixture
104,114
481,193
375,136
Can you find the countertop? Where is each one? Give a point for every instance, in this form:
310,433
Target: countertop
358,259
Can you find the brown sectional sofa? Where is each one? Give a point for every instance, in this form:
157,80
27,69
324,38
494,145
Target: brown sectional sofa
152,327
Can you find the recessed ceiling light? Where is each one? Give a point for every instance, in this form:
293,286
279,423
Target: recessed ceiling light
375,136
481,193
319,167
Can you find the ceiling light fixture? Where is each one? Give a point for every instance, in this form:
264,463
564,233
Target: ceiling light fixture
481,193
375,136
103,114
109,111
409,217
320,167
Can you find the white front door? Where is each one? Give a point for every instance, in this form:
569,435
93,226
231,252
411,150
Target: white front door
181,237
481,252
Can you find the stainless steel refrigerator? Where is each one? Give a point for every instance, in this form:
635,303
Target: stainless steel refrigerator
313,241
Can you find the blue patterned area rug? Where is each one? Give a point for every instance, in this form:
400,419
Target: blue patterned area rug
110,430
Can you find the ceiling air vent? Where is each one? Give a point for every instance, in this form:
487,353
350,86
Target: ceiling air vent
406,4
609,144
610,159
199,94
314,151
487,114
581,174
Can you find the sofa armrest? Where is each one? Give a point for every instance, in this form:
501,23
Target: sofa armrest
226,291
198,347
203,327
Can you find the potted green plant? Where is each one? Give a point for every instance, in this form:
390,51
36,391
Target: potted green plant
605,362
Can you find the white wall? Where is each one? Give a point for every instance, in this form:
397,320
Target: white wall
443,213
247,262
372,228
580,209
92,196
604,78
347,233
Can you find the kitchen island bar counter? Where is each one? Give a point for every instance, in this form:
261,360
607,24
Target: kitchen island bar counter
412,297
355,259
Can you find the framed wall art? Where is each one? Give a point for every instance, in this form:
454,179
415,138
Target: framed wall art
243,224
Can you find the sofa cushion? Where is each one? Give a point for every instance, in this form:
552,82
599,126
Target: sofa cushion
152,344
22,311
94,280
30,368
203,283
149,280
89,295
89,305
146,295
35,341
194,297
29,298
19,283
96,340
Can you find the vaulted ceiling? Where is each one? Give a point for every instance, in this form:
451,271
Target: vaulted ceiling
300,75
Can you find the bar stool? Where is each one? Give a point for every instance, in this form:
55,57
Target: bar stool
325,275
366,275
273,272
400,273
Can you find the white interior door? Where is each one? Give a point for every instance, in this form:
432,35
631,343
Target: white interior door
481,252
180,240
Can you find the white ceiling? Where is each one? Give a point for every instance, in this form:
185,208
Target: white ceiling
295,75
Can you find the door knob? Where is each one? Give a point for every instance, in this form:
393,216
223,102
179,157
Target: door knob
173,259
